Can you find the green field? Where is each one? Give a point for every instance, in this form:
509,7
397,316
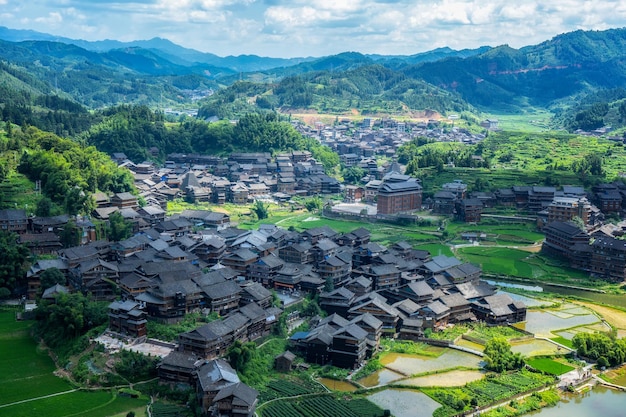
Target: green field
34,376
76,404
537,120
549,366
519,263
26,373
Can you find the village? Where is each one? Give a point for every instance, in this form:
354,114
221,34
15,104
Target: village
199,261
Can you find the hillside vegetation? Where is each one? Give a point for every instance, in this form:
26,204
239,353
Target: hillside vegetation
371,89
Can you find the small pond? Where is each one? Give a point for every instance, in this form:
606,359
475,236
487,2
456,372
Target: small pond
335,385
382,377
404,402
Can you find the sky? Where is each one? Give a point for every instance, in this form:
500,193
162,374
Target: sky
302,28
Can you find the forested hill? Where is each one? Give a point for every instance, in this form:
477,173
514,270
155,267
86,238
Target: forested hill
131,75
555,74
542,75
370,89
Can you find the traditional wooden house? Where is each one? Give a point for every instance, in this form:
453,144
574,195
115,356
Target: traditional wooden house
96,277
435,314
222,297
13,221
240,260
265,269
238,400
221,393
213,339
378,308
178,367
337,301
499,309
298,253
254,292
170,301
127,318
284,361
334,269
348,347
374,329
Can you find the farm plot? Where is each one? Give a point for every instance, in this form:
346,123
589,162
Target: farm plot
75,404
322,406
550,366
279,388
34,376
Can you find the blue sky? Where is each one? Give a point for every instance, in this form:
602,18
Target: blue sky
290,28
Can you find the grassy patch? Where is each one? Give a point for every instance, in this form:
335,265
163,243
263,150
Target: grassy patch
436,249
519,263
563,341
76,404
409,347
486,333
549,366
34,376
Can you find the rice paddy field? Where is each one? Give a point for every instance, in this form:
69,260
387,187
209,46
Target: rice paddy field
564,321
404,403
519,263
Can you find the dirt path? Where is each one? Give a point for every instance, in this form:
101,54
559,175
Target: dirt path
38,398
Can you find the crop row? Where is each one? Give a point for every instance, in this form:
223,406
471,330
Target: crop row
288,388
167,410
363,407
322,406
280,409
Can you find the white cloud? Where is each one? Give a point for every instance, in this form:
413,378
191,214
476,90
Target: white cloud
53,18
317,27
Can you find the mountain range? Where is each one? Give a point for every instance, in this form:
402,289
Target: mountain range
554,73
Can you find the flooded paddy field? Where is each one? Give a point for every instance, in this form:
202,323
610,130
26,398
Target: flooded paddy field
445,379
401,365
404,402
546,323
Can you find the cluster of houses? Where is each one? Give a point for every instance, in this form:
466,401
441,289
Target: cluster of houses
359,143
546,204
600,251
187,263
240,178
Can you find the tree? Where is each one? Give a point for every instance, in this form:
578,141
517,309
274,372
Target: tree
77,201
260,209
313,204
52,276
13,257
353,174
67,317
329,285
240,354
44,207
499,357
70,235
119,228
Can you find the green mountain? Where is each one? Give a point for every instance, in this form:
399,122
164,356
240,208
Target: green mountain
369,88
541,75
